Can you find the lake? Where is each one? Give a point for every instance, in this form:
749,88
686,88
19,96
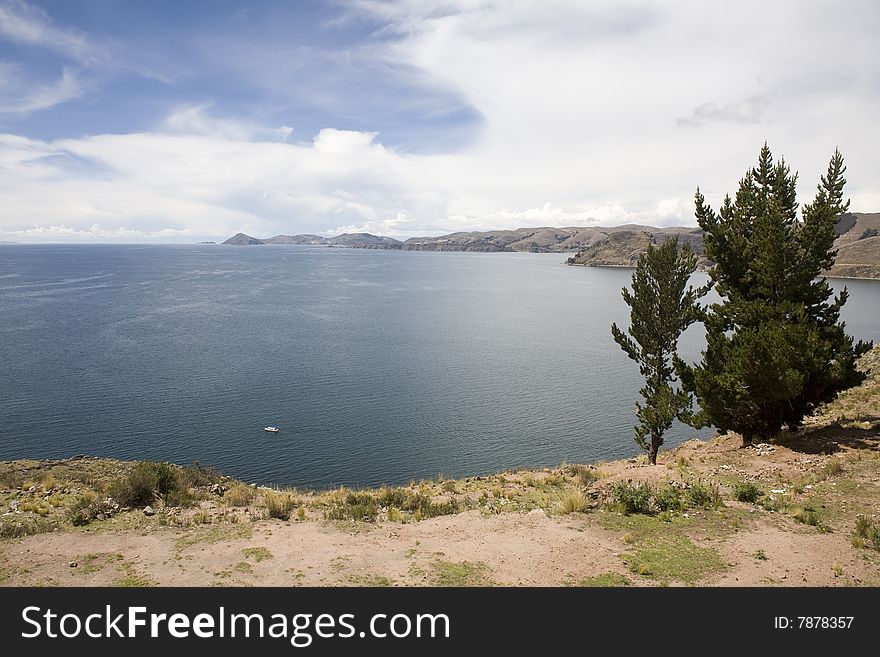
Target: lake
377,366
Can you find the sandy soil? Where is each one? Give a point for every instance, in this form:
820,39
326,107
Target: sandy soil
507,548
512,529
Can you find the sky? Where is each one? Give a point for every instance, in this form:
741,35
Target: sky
168,121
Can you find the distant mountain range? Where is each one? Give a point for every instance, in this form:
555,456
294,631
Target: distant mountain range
535,240
858,243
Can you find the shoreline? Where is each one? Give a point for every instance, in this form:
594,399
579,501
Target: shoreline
802,510
585,264
547,527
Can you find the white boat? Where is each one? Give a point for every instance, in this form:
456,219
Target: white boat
271,429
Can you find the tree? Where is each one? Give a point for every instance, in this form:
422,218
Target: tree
661,307
775,345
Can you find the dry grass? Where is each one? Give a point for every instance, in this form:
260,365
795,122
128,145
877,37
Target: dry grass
573,501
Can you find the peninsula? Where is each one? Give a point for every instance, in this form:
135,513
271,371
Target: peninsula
858,243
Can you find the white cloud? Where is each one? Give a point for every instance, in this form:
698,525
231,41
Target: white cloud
88,61
29,25
19,97
196,120
95,232
749,110
581,103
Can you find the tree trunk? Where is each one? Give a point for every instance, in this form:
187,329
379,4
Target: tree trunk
655,447
747,439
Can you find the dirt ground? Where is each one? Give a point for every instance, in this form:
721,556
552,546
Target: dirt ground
812,520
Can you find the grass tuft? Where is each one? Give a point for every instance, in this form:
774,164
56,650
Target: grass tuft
746,491
279,505
605,580
573,501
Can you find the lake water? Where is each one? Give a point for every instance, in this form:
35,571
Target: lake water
377,366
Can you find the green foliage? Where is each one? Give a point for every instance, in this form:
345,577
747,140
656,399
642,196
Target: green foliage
258,554
18,526
84,509
675,558
668,498
775,347
866,532
146,482
604,580
279,505
706,496
584,474
239,495
746,491
463,573
415,503
662,305
355,506
632,498
806,515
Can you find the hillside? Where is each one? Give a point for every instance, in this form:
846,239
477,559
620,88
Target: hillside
858,243
536,240
858,247
802,511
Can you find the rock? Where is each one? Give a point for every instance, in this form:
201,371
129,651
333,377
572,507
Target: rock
100,516
149,511
536,512
14,505
73,564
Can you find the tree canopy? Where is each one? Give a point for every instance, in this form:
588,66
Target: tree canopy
662,305
775,345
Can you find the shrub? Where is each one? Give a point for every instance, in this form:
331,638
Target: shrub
84,509
806,515
833,468
706,496
668,498
197,475
632,498
746,491
355,506
866,532
365,506
239,495
584,474
19,526
410,502
573,501
146,482
398,498
434,509
279,505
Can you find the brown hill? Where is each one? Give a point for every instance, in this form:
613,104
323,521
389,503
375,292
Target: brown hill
858,245
599,246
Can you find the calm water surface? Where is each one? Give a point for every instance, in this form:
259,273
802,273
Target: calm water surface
377,366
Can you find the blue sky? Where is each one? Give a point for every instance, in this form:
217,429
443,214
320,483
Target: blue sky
180,121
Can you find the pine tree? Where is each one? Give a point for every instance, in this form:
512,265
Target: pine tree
775,345
661,307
